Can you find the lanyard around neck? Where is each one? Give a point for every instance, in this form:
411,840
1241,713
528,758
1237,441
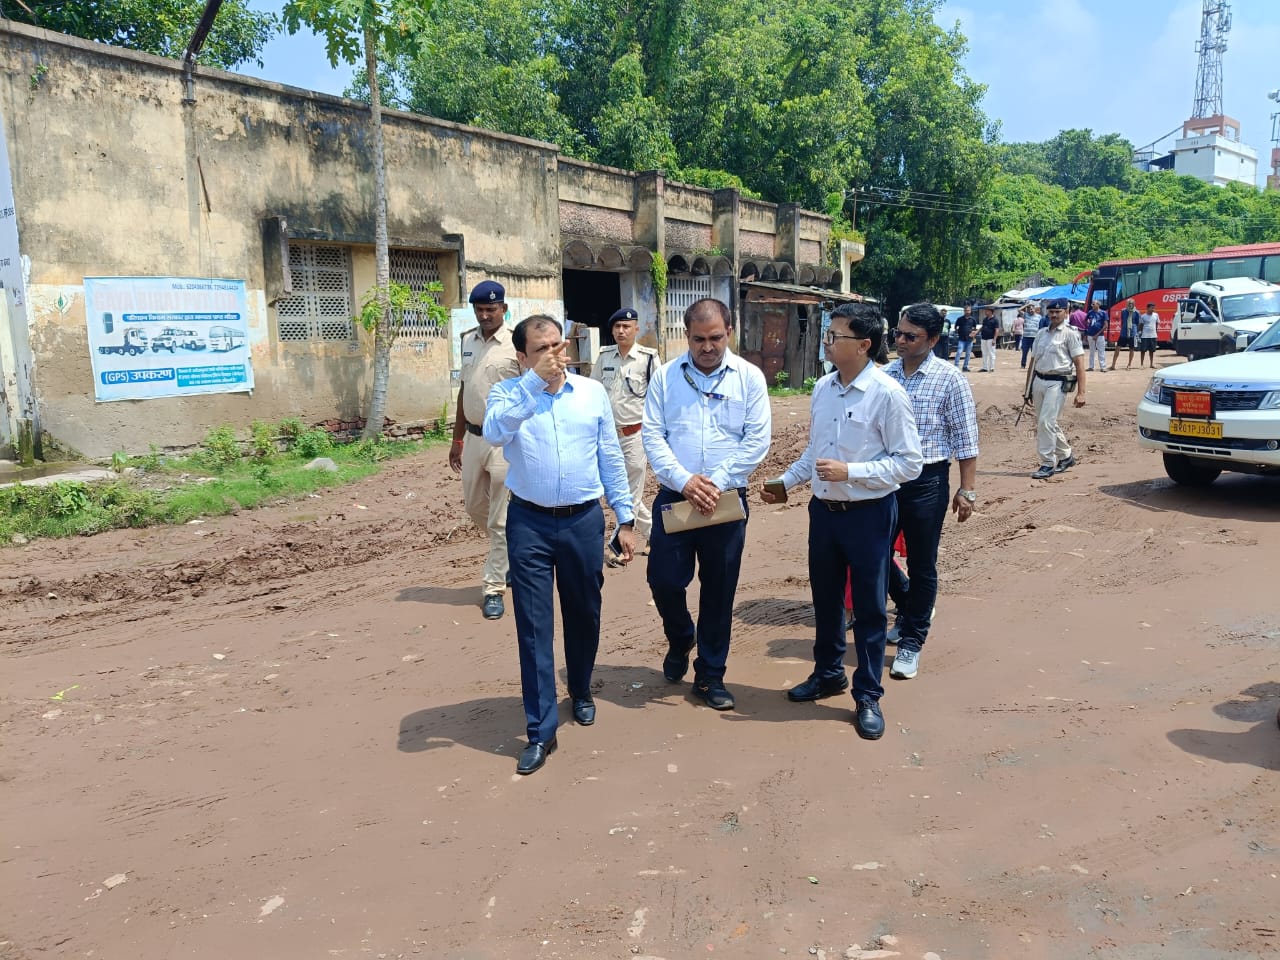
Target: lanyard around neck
709,394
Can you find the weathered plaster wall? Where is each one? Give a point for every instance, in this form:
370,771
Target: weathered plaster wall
114,176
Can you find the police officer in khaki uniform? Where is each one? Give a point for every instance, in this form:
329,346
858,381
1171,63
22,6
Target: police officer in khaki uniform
1057,358
625,370
488,356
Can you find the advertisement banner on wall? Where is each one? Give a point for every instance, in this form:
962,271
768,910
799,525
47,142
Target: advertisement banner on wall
167,337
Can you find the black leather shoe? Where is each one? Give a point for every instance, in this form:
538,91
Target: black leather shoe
713,693
1066,464
868,720
534,756
815,688
676,665
493,608
584,710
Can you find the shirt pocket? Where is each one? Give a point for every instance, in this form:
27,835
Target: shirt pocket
729,415
859,436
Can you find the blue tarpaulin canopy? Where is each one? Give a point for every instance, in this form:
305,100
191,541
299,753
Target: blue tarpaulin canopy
1070,291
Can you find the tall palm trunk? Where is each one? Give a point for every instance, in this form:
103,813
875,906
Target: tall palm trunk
383,336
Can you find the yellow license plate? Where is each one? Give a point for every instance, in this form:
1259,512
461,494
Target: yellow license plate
1208,429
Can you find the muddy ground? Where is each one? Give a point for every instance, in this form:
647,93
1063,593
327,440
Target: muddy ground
293,735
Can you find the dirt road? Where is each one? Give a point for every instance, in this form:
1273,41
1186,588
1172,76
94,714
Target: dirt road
293,735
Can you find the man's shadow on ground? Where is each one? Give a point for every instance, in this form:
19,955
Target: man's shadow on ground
454,596
1258,745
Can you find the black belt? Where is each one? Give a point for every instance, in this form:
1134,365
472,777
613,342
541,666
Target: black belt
472,428
936,466
843,506
570,511
1059,377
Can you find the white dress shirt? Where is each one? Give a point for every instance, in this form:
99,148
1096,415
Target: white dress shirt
562,448
717,424
867,425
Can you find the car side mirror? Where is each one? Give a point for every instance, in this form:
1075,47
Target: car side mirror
1242,341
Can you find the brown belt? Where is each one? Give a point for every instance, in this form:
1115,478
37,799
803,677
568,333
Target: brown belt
630,429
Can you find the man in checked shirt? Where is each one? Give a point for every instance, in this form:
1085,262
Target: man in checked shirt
948,425
862,445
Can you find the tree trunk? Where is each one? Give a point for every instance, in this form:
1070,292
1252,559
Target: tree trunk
383,336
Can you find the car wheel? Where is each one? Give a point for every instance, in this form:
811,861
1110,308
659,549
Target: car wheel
1188,472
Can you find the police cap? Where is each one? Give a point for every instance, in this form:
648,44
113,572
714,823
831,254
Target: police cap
626,313
488,291
1059,304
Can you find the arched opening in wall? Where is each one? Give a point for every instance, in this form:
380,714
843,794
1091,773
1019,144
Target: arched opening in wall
677,264
786,273
770,272
610,259
750,271
805,276
721,267
835,279
640,260
700,267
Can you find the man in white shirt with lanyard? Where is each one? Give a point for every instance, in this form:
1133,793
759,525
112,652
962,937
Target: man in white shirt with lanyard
707,425
863,445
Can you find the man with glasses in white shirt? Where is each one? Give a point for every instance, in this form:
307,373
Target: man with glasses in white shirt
707,425
863,445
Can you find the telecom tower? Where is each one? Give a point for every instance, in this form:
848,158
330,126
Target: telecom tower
1210,147
1215,24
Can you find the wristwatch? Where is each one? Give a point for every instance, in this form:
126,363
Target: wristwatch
970,495
628,523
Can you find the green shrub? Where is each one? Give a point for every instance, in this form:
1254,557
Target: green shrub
781,378
290,429
262,441
314,443
219,449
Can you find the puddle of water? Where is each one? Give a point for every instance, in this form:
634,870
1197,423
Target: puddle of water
10,472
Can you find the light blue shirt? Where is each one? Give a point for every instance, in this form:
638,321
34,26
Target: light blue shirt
715,424
868,425
562,448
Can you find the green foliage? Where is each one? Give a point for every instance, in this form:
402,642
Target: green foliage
162,27
809,384
290,429
119,461
393,25
314,443
219,449
403,303
262,441
152,460
781,378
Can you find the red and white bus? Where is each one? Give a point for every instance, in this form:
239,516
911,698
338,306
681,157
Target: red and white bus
1165,280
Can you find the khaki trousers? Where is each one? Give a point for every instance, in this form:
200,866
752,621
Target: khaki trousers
633,454
1051,441
484,491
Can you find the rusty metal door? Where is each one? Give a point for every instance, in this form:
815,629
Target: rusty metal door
773,342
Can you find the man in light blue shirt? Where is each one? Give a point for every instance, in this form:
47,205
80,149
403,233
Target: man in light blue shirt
863,445
558,436
707,425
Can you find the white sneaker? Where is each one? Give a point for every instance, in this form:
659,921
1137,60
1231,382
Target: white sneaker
905,665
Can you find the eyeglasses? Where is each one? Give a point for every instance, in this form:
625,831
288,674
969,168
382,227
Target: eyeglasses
831,337
909,337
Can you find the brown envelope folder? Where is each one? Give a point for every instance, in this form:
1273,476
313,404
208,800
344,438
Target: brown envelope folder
682,515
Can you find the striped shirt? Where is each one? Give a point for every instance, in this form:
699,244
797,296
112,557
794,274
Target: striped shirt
717,425
868,426
943,404
562,448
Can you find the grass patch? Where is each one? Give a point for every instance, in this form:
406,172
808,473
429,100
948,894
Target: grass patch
218,479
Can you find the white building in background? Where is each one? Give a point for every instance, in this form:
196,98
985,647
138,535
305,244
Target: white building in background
1210,150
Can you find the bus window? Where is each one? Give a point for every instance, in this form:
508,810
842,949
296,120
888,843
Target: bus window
1186,273
1137,279
1237,267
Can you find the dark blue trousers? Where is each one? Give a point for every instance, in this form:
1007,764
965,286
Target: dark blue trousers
569,552
717,551
922,510
857,539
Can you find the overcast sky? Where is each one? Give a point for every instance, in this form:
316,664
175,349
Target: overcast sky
1112,66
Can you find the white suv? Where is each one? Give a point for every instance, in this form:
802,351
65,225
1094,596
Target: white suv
1222,413
1221,316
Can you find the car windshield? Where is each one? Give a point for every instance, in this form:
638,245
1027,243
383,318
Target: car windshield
1247,306
1269,339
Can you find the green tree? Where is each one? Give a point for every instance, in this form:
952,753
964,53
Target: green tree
374,29
631,126
162,27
